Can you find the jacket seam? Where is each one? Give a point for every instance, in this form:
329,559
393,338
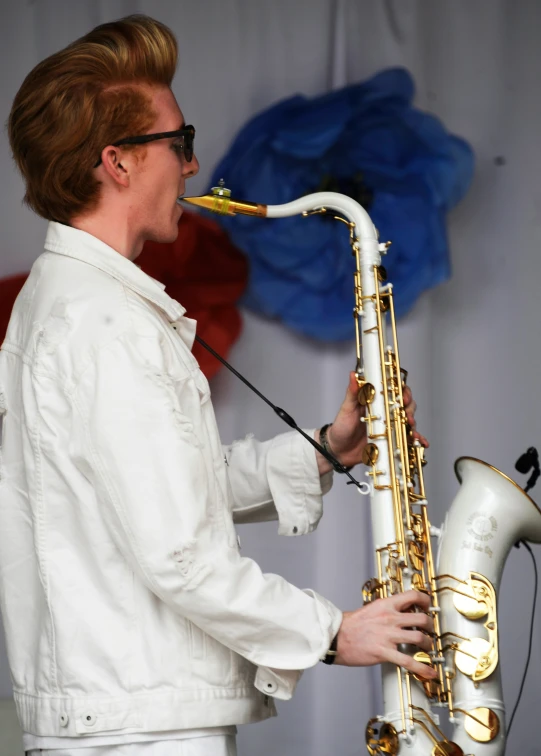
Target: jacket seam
12,348
252,507
116,503
171,689
127,305
296,454
135,624
35,435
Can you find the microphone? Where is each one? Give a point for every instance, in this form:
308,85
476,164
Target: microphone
524,464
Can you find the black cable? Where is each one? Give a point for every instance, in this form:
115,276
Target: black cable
523,543
283,415
524,464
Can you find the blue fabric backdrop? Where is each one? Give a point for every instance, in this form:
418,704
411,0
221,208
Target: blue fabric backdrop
368,141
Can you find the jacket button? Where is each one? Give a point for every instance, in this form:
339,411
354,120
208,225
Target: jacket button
270,687
64,719
89,719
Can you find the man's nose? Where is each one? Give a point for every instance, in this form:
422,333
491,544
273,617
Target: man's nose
191,168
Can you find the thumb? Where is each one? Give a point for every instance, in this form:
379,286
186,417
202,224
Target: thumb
350,400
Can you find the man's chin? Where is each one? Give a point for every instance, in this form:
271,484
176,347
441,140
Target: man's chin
165,237
174,233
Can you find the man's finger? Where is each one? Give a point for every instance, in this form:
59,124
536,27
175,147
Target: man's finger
413,619
411,598
409,663
422,440
411,408
421,620
416,638
350,400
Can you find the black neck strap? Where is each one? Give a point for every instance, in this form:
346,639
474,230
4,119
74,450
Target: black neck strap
283,415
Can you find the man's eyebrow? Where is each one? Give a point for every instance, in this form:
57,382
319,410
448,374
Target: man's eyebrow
182,125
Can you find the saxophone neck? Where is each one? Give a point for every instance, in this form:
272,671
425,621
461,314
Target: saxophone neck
219,201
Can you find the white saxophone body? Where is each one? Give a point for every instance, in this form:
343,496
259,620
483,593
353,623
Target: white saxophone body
489,515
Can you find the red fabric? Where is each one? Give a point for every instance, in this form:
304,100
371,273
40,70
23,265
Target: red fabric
9,289
201,269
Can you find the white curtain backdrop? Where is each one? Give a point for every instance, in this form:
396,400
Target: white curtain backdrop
471,346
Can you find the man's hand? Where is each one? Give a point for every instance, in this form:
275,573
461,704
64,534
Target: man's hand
370,635
347,435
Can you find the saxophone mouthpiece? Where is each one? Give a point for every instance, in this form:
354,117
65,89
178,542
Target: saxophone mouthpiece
219,201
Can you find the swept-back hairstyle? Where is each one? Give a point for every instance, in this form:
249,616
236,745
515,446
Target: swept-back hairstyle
81,99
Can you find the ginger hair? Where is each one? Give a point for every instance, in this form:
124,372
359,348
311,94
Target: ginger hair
81,99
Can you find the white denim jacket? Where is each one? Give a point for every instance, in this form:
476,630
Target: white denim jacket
126,603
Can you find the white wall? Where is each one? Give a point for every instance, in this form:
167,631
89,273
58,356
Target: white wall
471,346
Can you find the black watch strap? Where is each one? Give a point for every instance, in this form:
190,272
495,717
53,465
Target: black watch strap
323,440
330,656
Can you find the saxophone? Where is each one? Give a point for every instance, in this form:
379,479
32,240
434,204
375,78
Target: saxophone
488,516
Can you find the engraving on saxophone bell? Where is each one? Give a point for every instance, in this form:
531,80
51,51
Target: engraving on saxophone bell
482,527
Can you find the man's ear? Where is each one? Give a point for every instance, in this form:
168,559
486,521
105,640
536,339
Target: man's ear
117,170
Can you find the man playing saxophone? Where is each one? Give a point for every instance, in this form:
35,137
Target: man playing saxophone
133,624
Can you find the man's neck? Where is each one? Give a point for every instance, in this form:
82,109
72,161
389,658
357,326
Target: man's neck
114,229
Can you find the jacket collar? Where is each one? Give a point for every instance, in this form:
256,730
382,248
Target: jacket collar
80,245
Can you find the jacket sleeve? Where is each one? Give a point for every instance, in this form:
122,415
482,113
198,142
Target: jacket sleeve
156,491
277,480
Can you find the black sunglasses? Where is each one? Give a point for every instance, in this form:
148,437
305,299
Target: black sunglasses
188,132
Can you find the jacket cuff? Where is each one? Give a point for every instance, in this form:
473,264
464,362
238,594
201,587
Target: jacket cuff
277,683
281,683
296,486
